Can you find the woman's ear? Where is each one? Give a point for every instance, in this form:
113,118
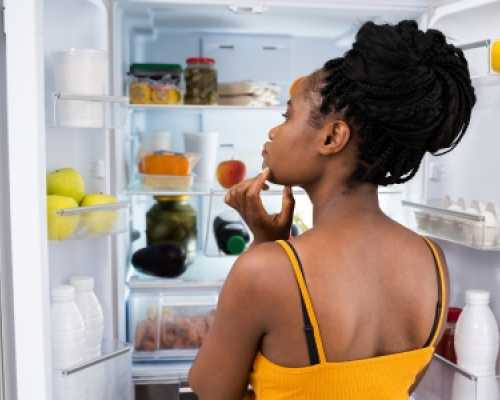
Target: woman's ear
334,137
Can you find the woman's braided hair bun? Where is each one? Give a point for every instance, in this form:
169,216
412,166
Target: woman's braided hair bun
406,91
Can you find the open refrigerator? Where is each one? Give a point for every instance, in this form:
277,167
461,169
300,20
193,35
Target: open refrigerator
275,41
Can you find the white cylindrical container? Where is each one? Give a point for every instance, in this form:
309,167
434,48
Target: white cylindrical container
92,314
81,72
476,335
68,329
205,144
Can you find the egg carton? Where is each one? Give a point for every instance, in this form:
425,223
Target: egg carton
474,224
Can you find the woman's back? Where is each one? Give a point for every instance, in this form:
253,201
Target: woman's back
373,286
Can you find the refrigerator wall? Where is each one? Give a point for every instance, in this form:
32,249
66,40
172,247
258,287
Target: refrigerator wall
470,170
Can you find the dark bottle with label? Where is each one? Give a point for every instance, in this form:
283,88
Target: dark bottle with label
231,235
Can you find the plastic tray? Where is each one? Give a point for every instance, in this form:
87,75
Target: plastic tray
167,182
455,226
171,322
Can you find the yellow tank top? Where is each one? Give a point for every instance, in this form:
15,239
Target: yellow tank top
386,377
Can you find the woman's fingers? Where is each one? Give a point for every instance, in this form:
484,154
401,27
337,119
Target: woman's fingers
287,206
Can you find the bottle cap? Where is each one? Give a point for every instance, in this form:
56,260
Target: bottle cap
477,296
63,293
235,245
82,283
453,314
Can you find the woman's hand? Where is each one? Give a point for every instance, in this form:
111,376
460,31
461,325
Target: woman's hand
245,198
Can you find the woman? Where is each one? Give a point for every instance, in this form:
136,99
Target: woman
353,308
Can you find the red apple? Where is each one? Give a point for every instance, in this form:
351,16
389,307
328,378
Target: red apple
231,172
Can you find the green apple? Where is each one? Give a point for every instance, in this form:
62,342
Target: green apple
66,182
59,227
98,222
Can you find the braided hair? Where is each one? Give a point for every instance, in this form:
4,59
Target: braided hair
407,92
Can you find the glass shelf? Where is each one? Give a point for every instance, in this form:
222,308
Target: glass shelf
138,189
458,227
200,108
89,222
447,381
105,377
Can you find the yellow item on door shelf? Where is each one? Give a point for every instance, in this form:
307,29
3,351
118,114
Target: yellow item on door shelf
495,55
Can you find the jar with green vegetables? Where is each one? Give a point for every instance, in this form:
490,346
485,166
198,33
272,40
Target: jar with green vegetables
173,220
201,81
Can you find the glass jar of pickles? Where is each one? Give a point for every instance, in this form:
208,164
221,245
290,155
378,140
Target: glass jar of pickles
173,220
155,84
201,81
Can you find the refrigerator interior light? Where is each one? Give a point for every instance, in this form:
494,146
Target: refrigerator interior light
248,9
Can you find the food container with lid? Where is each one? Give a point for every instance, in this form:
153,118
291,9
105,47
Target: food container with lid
170,321
155,84
201,81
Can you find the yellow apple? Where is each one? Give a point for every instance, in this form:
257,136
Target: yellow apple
97,222
66,182
59,227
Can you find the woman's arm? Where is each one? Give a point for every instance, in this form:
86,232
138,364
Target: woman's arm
224,362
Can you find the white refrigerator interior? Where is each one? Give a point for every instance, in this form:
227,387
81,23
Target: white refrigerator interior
99,133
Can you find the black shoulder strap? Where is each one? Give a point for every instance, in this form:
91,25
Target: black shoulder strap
308,329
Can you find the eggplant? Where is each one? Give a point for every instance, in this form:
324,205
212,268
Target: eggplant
166,260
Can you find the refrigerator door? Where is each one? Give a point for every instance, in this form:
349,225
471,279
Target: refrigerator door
7,341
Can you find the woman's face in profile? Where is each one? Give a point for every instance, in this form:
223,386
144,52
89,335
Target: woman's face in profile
291,151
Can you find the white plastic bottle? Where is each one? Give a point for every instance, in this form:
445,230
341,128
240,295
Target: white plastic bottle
68,328
476,335
92,314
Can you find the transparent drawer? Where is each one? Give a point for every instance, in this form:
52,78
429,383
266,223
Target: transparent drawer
88,222
170,322
455,226
106,377
446,381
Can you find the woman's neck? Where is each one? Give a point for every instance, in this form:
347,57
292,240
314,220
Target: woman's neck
333,201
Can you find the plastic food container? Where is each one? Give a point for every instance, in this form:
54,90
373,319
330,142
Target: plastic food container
168,182
167,163
201,81
155,84
170,323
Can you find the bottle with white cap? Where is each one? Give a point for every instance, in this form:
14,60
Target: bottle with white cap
91,311
476,335
68,328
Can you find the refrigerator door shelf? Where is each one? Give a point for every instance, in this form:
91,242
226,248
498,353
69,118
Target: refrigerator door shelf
89,111
88,222
446,381
105,377
467,229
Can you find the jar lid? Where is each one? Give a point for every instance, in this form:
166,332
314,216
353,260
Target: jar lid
200,60
63,293
155,69
477,297
235,245
180,197
453,314
82,283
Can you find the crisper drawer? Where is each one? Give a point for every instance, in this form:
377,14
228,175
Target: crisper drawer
107,377
446,381
170,323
